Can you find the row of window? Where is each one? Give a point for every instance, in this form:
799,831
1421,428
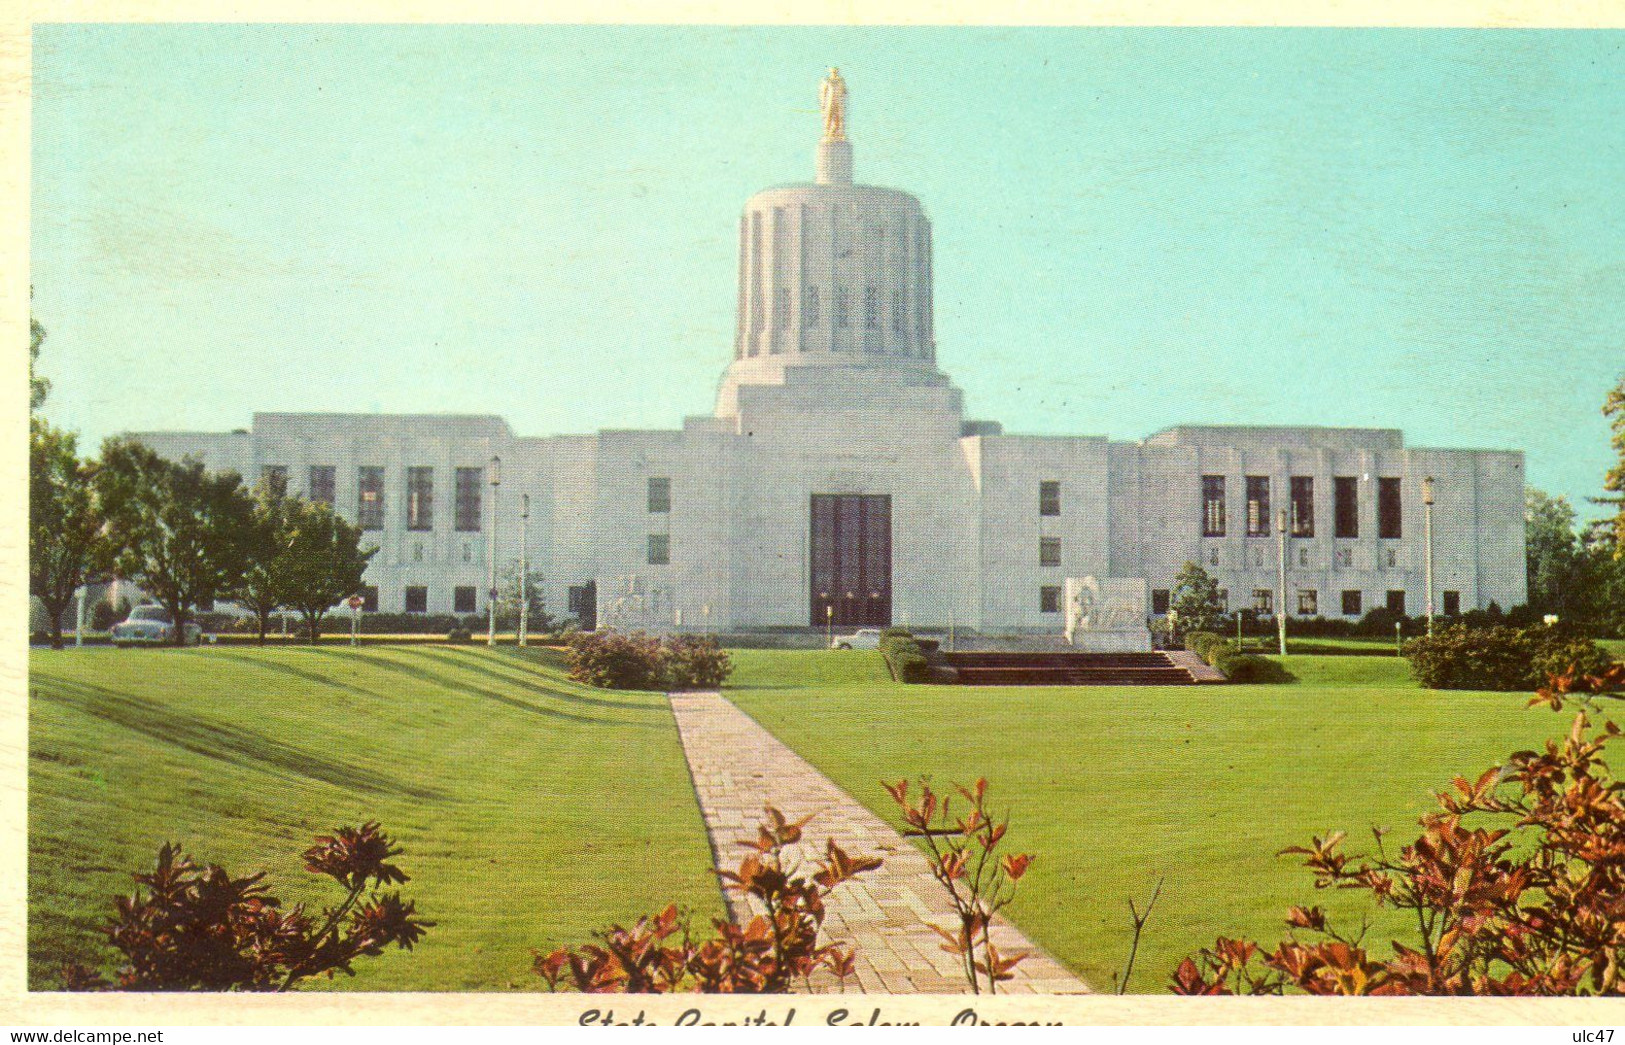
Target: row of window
1301,506
322,486
1352,602
1344,557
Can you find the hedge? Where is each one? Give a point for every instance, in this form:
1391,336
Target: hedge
1502,657
905,655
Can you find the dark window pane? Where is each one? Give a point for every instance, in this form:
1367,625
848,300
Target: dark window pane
1258,506
369,598
1396,601
1049,599
470,482
1159,601
659,549
463,599
1303,506
1049,551
1452,603
659,495
417,599
324,484
1351,604
274,477
1263,600
1212,506
420,498
1049,497
1346,506
1308,603
370,497
1389,513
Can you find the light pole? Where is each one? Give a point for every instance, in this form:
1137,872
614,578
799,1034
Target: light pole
491,556
1280,605
524,565
1427,530
829,623
79,616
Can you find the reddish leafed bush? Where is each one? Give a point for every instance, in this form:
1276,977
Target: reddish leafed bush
769,954
620,660
965,858
1515,886
189,927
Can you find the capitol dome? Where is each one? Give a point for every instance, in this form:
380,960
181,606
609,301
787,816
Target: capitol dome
831,274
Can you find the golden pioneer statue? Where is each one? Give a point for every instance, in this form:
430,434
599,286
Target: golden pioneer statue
832,100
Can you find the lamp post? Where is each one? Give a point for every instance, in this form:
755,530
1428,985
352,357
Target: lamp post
491,555
1427,530
829,623
1280,604
524,565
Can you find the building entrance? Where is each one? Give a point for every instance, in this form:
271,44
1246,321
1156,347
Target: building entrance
850,579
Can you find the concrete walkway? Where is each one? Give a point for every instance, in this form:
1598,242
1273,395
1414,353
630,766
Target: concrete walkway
739,767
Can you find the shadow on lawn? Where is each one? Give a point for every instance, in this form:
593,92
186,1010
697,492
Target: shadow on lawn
280,668
226,743
454,685
468,661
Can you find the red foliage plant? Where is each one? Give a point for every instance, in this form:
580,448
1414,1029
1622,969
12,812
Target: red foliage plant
769,954
198,928
616,660
964,856
1516,885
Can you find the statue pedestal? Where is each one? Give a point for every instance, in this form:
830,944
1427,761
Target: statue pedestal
834,163
1106,615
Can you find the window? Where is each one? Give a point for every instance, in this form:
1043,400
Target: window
1393,558
324,483
1049,551
1303,506
1346,506
463,599
1212,506
1213,556
370,497
659,496
1351,604
369,598
1258,506
468,552
1263,600
467,506
1303,556
1452,604
781,308
274,477
1308,602
843,308
871,308
417,552
1396,602
420,498
810,306
1159,601
659,549
417,599
1345,557
1049,497
1049,599
899,309
1388,509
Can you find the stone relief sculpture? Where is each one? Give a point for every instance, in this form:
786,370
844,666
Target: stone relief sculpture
635,606
1106,614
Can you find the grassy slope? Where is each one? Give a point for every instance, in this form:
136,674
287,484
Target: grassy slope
532,810
1116,787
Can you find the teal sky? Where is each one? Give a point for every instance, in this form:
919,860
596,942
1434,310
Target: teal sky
1134,227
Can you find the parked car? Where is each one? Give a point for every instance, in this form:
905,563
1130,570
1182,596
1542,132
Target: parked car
152,626
863,638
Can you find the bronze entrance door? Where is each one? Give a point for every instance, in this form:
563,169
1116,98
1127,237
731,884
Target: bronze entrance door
850,579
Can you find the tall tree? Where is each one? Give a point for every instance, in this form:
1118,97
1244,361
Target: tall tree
1195,600
67,546
182,533
1552,553
1614,482
322,561
261,588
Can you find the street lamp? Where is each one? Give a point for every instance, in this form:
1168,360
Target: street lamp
524,565
1280,603
491,555
1427,529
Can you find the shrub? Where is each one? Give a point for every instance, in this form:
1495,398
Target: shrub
459,635
1500,658
1513,887
773,953
105,614
1246,667
694,662
188,927
905,658
1200,642
616,660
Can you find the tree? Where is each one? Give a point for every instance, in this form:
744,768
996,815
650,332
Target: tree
38,387
67,546
1552,551
512,589
1614,482
1195,600
182,533
261,589
321,561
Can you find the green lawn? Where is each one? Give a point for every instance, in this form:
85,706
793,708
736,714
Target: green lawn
1116,787
532,810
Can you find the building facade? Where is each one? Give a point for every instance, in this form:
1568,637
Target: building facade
838,482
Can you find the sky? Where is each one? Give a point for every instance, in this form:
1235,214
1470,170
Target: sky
1134,228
